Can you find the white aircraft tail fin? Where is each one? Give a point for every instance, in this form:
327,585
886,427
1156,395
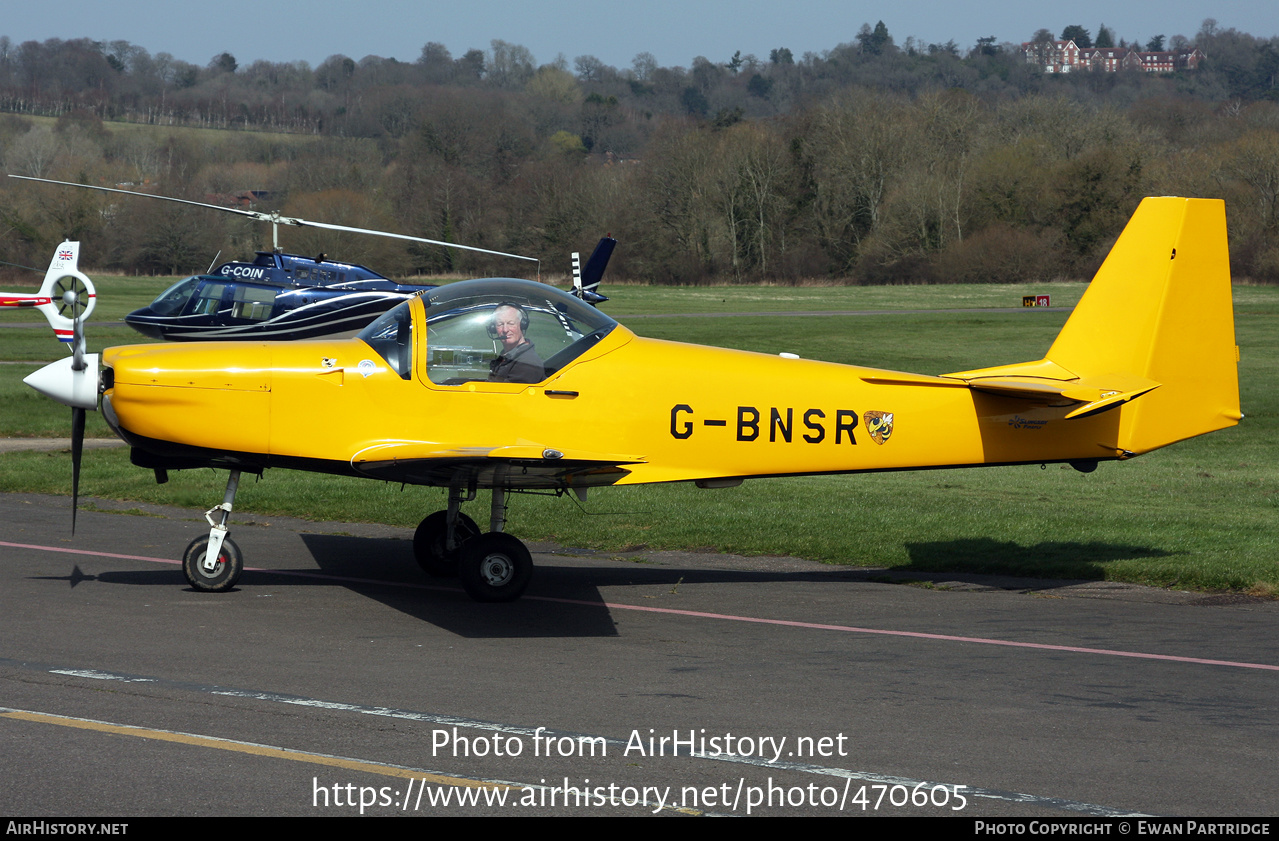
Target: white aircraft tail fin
66,294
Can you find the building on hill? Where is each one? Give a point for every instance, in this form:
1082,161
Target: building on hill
1067,57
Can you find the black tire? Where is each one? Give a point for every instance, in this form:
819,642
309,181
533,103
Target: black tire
428,543
494,567
230,565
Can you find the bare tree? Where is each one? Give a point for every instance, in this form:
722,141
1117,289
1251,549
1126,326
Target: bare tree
509,65
856,149
32,153
1254,161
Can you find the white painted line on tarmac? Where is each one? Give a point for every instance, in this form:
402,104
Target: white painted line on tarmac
873,778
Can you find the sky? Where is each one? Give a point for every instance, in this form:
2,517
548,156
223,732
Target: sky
674,31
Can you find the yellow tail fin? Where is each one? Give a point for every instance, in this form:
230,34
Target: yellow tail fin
1160,308
1153,334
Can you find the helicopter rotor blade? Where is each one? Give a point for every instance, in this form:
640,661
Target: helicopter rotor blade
276,219
254,214
305,224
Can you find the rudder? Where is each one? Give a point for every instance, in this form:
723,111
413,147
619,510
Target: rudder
1160,308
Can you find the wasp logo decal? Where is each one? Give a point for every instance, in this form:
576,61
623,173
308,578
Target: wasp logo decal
1018,422
879,425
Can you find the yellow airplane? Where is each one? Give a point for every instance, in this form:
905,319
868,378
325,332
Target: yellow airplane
513,385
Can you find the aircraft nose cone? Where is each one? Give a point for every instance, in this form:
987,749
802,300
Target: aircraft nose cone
143,320
77,389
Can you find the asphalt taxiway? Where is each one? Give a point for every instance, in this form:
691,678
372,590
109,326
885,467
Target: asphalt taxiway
336,674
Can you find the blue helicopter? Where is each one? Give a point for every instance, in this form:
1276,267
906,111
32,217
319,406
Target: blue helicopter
288,296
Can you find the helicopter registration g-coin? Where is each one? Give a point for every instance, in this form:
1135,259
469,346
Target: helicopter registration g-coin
1147,358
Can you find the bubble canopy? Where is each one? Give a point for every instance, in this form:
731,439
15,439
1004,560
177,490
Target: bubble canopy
463,337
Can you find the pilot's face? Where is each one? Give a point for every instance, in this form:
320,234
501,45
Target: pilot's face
506,323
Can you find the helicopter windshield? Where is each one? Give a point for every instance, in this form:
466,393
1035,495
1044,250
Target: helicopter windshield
173,299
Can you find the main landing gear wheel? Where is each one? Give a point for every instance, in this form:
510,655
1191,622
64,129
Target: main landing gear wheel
428,543
494,567
221,579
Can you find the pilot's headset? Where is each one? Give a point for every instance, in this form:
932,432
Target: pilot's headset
492,322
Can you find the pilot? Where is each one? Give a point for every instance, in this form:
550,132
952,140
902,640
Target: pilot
518,361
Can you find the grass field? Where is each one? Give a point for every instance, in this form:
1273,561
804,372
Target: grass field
1201,514
211,136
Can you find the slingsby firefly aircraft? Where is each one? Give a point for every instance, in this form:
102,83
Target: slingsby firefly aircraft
515,386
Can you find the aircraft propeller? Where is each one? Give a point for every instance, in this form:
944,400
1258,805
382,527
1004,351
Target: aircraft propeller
71,302
72,380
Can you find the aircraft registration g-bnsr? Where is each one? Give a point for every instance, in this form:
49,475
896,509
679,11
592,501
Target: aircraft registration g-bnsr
515,386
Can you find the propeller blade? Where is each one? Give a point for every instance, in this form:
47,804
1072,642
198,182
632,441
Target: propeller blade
77,450
78,363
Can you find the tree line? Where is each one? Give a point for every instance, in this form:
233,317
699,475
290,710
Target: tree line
872,162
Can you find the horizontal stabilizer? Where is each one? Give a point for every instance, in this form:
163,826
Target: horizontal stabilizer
1044,383
1090,395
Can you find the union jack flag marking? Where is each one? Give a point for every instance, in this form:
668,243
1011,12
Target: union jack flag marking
65,254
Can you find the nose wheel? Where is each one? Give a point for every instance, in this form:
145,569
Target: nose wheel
213,562
223,573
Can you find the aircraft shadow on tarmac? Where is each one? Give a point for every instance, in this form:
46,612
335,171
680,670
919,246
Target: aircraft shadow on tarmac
1062,561
141,577
379,559
382,566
